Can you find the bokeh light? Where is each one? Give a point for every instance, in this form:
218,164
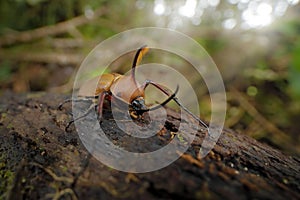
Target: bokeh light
230,14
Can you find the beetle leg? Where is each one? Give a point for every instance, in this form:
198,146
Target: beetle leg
100,104
92,106
192,114
89,98
165,91
158,86
63,103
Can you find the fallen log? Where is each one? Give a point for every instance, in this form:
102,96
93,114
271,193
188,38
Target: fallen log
40,160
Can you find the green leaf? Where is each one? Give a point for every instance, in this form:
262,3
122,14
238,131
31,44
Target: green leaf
294,71
5,71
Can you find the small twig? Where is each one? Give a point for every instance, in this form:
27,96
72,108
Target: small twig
53,175
64,43
254,130
235,119
56,29
63,192
58,58
266,124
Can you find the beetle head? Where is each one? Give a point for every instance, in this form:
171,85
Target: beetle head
138,104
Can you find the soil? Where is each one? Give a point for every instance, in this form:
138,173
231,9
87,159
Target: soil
40,160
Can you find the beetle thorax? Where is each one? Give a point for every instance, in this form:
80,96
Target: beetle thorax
126,89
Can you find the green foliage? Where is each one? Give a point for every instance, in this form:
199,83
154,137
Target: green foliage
294,71
212,46
5,71
291,49
91,32
262,72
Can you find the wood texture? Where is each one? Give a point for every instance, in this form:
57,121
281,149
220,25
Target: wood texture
39,160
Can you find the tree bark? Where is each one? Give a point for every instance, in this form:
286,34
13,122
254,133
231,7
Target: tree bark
40,160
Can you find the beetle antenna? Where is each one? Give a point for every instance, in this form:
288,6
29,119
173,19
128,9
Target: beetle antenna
137,59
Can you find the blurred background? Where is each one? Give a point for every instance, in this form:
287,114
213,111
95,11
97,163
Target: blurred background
255,44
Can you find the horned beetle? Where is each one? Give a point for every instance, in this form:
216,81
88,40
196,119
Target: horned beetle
131,93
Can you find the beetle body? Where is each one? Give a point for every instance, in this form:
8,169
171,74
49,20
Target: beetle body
126,89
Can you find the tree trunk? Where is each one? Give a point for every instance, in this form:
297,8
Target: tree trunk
40,160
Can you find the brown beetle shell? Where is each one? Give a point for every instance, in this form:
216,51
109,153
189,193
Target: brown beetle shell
105,81
122,87
126,89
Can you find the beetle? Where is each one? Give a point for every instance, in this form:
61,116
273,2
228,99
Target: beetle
130,93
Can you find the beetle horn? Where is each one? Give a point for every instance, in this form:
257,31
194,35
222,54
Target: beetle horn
137,59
